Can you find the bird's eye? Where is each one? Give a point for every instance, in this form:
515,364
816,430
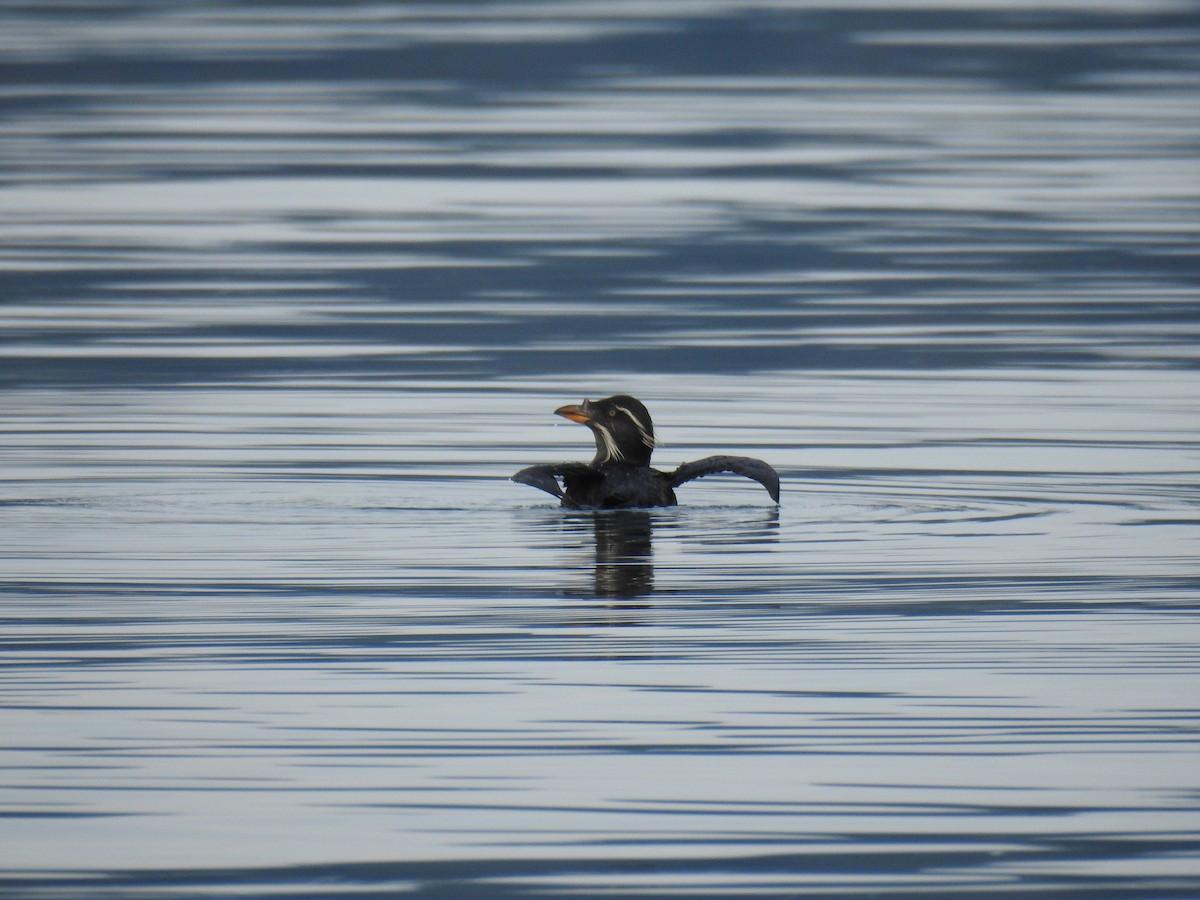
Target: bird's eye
612,413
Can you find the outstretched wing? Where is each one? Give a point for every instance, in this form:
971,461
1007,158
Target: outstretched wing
545,478
738,465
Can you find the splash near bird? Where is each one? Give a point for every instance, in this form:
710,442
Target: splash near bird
619,476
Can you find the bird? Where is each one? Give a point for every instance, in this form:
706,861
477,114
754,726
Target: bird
620,476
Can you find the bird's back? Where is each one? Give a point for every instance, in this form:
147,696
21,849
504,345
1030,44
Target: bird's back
617,486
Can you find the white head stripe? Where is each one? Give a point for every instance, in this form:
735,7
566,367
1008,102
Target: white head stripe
610,446
647,437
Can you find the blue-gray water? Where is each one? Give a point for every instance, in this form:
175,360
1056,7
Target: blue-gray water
289,290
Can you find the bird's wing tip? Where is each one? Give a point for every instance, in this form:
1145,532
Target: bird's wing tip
748,467
540,477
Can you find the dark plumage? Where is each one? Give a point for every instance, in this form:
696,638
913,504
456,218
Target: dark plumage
620,476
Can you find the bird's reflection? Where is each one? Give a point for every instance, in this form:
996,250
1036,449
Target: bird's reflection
622,543
624,553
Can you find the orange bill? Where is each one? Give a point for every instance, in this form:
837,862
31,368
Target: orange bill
574,413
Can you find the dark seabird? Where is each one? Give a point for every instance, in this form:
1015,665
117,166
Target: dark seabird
620,477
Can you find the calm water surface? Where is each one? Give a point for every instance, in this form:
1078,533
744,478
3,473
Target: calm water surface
289,291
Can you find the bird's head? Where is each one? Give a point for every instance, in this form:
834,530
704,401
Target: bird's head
621,426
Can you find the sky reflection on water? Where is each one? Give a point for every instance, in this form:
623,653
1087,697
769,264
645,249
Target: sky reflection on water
289,293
